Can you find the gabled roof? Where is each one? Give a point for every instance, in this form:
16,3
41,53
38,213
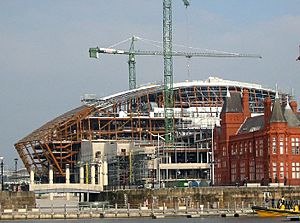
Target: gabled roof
290,116
277,115
233,103
252,124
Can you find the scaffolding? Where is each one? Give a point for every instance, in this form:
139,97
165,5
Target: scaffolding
135,117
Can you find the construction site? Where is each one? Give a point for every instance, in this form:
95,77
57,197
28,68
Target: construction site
127,131
153,136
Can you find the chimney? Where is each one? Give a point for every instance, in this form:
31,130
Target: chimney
267,111
246,108
294,106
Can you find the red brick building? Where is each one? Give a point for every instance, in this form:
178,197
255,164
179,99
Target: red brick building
258,149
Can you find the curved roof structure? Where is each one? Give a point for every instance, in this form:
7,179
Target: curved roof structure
133,115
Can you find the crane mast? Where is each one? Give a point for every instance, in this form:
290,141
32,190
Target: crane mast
131,64
168,72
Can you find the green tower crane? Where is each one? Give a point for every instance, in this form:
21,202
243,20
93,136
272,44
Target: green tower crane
132,52
168,64
168,71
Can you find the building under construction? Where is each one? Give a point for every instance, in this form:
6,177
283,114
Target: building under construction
126,131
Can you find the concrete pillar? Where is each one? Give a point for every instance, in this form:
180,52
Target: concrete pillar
81,174
31,177
104,173
99,173
67,174
67,196
51,195
51,175
93,173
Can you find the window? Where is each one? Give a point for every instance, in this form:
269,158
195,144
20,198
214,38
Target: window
98,154
286,145
256,148
296,170
281,145
274,149
252,170
224,151
242,170
274,170
224,164
233,172
241,148
218,163
123,151
295,146
259,171
281,170
261,147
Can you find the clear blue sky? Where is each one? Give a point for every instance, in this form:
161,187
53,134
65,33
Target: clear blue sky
45,68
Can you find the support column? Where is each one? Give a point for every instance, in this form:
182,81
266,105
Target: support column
67,180
105,173
67,174
93,173
81,175
51,175
51,195
99,173
31,185
31,176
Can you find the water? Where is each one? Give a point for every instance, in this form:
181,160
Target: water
166,220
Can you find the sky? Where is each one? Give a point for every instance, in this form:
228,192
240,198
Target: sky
45,67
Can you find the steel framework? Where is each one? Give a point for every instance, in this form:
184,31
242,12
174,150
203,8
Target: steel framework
130,116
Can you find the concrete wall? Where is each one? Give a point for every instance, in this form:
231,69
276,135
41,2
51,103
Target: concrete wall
9,200
208,196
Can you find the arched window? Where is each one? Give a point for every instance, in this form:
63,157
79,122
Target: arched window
98,155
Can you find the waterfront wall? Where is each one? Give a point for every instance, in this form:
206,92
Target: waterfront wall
211,197
9,200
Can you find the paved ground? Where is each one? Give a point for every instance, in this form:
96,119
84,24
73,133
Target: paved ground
57,202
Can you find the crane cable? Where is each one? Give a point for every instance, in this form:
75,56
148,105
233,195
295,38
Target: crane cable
119,43
158,44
